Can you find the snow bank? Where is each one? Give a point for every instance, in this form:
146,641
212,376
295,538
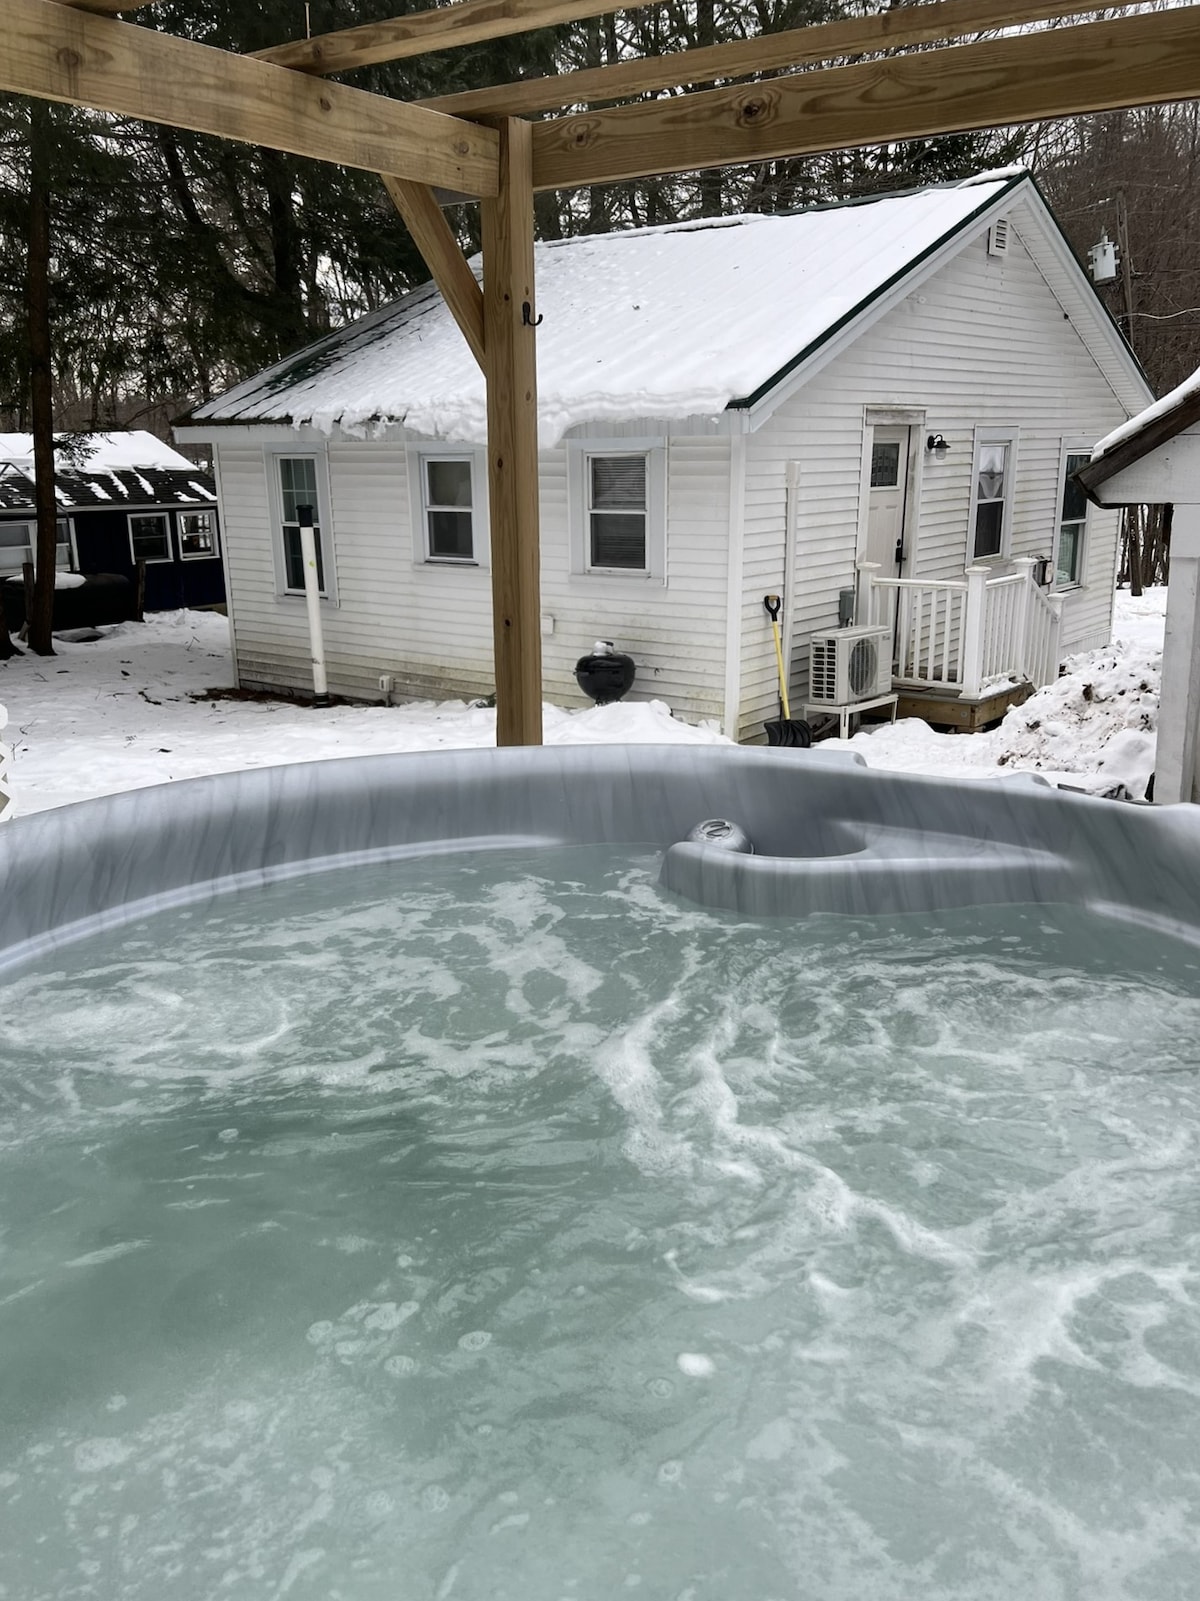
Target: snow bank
1093,728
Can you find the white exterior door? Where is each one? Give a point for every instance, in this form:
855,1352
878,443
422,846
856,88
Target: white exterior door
887,494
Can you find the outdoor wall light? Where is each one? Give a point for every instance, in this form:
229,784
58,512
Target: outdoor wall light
937,447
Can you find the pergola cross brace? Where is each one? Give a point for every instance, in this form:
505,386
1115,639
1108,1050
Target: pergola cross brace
75,51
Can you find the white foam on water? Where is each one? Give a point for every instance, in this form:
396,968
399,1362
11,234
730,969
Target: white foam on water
911,1227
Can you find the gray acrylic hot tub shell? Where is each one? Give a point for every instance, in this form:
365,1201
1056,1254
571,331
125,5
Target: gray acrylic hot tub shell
828,835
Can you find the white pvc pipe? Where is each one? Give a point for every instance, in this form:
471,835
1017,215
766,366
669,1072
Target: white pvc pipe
312,599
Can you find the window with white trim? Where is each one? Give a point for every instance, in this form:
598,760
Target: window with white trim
448,507
18,544
197,535
150,537
991,493
1072,523
619,509
298,486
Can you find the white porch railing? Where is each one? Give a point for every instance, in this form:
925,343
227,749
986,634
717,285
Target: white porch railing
965,633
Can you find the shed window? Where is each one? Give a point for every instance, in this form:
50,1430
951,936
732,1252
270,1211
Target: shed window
1068,563
150,537
297,488
449,507
617,511
197,534
18,544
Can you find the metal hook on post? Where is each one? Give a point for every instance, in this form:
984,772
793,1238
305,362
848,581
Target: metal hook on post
527,317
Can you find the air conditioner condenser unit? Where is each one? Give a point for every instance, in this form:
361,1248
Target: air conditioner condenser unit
849,665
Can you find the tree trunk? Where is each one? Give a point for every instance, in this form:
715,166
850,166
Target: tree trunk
41,393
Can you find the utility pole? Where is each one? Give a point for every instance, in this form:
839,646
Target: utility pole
1126,268
1132,515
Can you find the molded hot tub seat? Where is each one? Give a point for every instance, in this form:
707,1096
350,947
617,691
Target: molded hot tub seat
890,870
880,841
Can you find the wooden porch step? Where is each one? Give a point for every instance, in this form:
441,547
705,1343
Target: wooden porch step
943,709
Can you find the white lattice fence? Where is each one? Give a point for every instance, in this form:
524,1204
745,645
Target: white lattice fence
6,794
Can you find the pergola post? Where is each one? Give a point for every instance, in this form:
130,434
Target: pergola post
510,367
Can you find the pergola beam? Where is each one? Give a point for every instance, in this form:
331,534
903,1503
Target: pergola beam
1142,60
53,52
440,28
510,318
899,28
434,238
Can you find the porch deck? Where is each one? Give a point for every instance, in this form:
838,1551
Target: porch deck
965,649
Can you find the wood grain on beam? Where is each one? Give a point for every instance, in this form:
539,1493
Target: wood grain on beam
1132,61
55,53
771,52
510,316
434,238
439,28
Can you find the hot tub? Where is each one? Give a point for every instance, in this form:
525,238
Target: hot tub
439,1177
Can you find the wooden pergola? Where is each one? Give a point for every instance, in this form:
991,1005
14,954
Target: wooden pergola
864,82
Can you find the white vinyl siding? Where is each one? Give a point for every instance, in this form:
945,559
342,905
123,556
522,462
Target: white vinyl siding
926,354
429,624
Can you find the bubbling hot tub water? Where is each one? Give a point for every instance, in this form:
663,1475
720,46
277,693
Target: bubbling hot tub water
501,1225
501,1194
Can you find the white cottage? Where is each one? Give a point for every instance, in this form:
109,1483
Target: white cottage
886,395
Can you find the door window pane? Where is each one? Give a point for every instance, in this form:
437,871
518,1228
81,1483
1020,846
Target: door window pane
885,465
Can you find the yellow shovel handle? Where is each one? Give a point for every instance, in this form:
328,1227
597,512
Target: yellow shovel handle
783,694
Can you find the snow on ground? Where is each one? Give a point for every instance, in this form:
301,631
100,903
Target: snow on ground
121,713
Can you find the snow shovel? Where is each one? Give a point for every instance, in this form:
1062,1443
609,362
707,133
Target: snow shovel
785,730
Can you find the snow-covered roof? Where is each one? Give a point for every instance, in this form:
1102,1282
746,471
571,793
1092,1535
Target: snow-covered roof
670,322
1171,414
100,452
117,488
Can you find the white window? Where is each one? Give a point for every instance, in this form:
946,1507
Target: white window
197,535
150,536
1072,523
18,544
618,510
297,479
991,493
448,507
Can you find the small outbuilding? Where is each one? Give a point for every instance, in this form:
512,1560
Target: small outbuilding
122,498
872,409
1154,459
